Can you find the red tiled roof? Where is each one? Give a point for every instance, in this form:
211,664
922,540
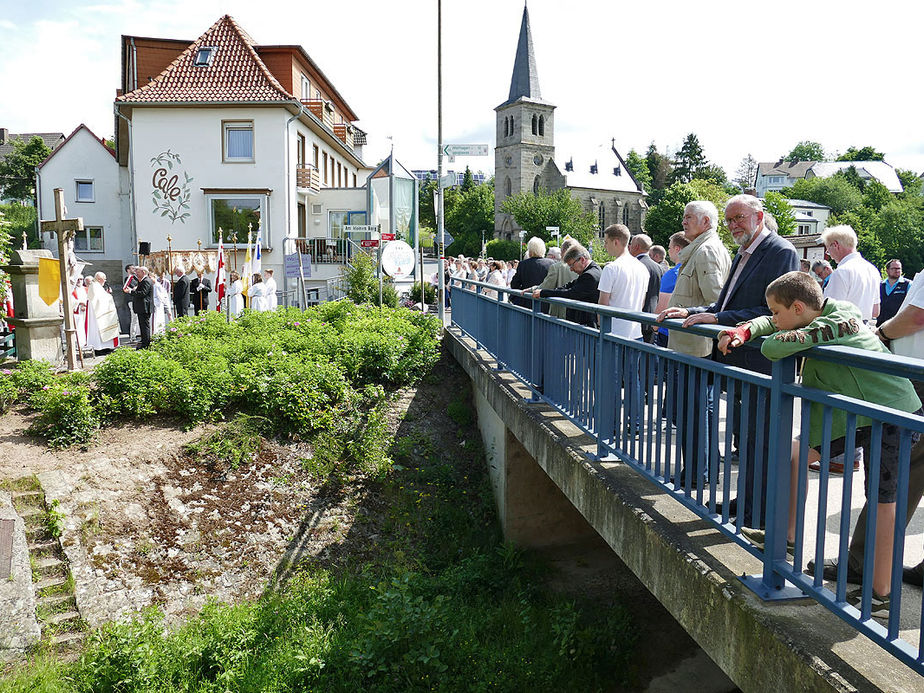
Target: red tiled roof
235,73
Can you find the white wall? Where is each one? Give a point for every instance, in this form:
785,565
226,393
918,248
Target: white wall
83,157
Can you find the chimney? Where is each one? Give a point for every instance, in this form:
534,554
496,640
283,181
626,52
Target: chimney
4,135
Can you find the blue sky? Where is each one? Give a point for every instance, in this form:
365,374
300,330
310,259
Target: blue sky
746,77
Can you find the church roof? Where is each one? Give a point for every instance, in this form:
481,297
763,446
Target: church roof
231,71
525,79
603,169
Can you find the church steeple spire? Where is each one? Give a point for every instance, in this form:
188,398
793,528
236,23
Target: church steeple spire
525,79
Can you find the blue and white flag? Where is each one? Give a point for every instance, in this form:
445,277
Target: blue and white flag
258,254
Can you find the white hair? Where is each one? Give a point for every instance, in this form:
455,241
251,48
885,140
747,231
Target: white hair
554,253
842,233
536,247
745,199
704,208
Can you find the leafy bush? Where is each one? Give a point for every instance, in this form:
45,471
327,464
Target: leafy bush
30,376
503,250
9,392
66,414
429,292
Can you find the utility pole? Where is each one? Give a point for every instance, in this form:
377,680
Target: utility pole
439,161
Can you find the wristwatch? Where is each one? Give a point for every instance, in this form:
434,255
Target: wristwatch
883,337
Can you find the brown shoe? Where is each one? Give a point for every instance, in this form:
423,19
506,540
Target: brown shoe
834,467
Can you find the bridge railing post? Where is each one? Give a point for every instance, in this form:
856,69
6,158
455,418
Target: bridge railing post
770,585
537,352
605,385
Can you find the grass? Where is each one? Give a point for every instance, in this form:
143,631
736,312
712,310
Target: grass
437,602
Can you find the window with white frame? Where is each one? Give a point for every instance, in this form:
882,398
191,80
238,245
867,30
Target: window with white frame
240,214
306,88
84,192
237,140
90,240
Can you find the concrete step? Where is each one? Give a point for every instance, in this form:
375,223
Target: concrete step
44,546
63,617
51,581
66,602
29,497
47,565
70,639
30,512
37,533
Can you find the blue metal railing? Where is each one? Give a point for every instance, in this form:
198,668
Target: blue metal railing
653,408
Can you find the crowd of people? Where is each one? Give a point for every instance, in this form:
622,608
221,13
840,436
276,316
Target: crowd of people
155,300
764,290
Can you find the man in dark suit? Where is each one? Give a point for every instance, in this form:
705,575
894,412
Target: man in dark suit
584,288
762,257
180,292
639,247
531,271
143,303
200,289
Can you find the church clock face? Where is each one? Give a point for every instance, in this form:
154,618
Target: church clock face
537,160
508,161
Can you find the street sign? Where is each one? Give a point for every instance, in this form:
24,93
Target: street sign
292,266
360,228
465,149
397,259
388,236
447,239
554,230
449,180
369,244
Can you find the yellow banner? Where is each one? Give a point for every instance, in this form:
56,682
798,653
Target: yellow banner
49,280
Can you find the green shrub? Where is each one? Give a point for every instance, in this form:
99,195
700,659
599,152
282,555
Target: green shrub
503,250
429,292
232,445
30,376
66,415
9,392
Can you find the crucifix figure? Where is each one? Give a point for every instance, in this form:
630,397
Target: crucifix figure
25,241
65,229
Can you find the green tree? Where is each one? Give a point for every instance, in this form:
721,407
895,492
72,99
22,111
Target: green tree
425,203
637,164
779,207
5,238
834,192
911,183
746,174
899,226
468,180
712,172
659,169
876,195
864,154
21,219
472,213
17,170
534,212
689,161
852,176
806,151
666,217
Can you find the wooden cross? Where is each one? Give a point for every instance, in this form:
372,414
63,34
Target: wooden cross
65,228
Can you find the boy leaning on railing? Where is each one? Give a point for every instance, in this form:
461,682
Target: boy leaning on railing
802,318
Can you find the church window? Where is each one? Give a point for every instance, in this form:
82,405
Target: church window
535,125
507,187
506,127
601,216
536,186
625,215
541,126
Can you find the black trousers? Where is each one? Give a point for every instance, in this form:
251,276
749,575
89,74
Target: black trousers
144,325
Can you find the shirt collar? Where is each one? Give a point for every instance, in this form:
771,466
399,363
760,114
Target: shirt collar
757,241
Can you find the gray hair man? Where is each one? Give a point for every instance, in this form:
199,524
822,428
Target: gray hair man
855,279
584,288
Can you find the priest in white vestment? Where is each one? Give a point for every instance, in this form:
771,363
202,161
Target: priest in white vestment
269,290
79,294
102,317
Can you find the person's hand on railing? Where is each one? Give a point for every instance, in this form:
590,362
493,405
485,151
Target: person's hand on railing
734,338
535,292
672,313
700,319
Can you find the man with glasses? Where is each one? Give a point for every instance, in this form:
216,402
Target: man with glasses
584,288
762,257
892,291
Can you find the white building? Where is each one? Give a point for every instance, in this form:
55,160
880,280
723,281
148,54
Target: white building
773,176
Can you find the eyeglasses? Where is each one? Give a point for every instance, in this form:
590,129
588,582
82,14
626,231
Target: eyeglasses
737,219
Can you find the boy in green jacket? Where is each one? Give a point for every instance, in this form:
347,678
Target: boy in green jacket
801,318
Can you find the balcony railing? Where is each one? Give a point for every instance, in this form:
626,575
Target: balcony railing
345,132
329,251
322,110
627,394
306,177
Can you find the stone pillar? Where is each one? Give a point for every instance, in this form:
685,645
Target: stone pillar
38,325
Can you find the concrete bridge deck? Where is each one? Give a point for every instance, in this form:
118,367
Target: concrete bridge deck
550,490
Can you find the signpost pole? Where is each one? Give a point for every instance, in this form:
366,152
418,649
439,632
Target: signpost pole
439,161
381,274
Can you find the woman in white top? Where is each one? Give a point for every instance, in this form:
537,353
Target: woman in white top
498,276
257,293
512,270
235,295
269,288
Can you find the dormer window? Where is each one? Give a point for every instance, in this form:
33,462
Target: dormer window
204,56
617,170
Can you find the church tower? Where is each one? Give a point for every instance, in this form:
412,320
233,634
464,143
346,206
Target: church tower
523,157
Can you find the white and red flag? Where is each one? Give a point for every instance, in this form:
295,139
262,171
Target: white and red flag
220,275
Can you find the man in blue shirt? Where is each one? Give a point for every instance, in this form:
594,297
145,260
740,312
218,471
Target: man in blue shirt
892,291
822,270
